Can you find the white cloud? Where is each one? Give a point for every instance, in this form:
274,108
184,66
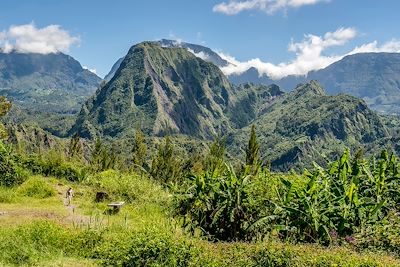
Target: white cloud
234,7
309,55
177,41
201,54
391,46
91,70
28,38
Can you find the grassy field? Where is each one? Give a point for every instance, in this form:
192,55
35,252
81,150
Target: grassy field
37,229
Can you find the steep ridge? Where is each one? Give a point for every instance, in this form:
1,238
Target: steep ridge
253,101
200,51
163,90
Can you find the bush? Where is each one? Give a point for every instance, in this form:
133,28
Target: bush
128,187
54,167
36,187
150,247
11,172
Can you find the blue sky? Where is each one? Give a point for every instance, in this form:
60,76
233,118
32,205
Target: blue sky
106,29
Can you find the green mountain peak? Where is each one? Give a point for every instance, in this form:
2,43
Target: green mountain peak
309,88
165,91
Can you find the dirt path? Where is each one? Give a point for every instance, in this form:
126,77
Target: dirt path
74,216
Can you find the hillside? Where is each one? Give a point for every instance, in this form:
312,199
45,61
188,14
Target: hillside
163,90
308,125
54,83
253,101
374,77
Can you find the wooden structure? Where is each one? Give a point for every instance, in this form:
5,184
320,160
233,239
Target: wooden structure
116,206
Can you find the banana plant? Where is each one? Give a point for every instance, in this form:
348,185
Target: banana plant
216,204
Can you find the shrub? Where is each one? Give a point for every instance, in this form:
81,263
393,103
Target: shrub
11,172
149,247
54,167
128,187
36,187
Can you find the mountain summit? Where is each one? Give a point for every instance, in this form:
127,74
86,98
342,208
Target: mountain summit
200,51
164,90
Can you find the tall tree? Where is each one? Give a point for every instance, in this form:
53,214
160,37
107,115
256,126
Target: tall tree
216,156
166,167
75,150
139,151
103,157
5,106
253,161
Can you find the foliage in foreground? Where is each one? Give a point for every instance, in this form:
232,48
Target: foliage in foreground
324,206
344,199
33,243
216,203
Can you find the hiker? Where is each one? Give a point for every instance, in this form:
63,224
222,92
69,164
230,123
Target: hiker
69,196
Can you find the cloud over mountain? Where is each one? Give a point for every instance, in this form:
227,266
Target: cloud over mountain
234,7
28,38
309,55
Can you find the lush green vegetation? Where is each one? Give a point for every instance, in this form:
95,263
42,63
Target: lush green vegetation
191,201
177,213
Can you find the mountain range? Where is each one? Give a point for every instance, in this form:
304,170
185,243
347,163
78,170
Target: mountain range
178,89
169,91
374,77
162,90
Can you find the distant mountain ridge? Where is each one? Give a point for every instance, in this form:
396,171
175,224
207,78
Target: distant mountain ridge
54,83
308,125
374,77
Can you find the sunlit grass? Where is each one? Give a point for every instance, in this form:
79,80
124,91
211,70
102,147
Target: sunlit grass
45,232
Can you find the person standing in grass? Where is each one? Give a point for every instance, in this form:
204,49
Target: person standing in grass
69,196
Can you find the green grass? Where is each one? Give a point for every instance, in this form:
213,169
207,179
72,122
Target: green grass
36,187
43,232
7,195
